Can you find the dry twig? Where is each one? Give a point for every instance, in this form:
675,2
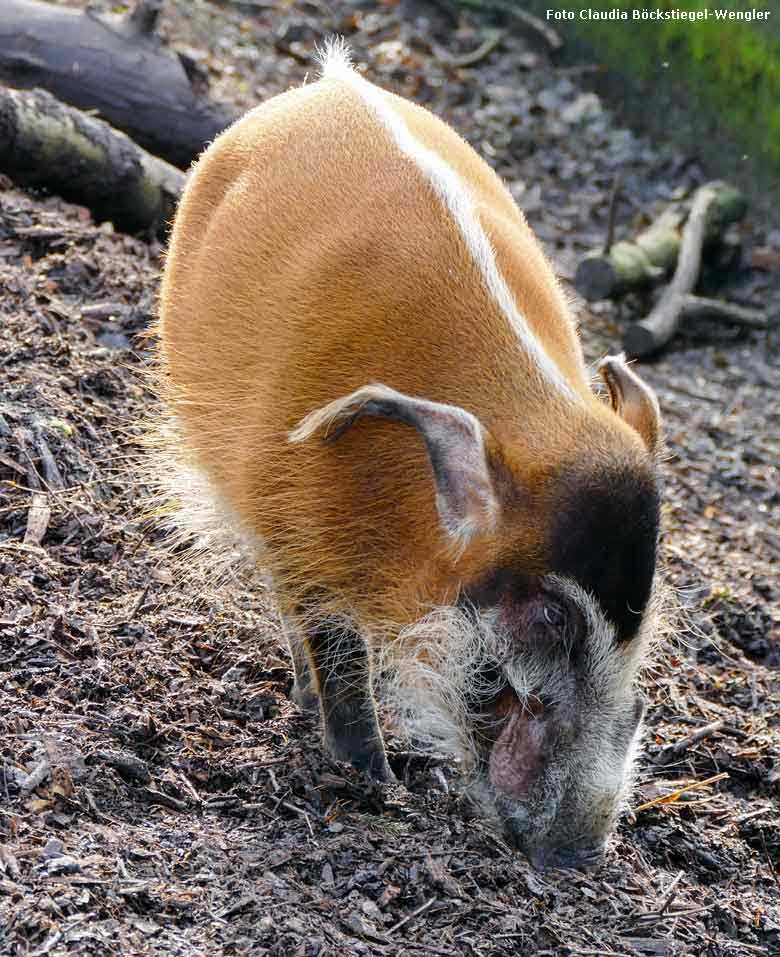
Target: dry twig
675,795
491,41
705,308
679,747
165,800
409,917
671,893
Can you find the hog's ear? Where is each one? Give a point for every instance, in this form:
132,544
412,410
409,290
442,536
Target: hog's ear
456,443
632,399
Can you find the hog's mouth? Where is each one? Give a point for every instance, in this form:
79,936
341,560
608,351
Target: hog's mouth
519,786
532,694
514,762
519,726
526,730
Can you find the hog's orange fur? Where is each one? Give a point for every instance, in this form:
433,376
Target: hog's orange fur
309,258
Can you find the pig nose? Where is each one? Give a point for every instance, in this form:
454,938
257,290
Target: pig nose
568,858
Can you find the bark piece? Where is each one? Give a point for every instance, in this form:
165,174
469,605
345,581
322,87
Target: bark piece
128,765
115,65
45,144
629,265
38,517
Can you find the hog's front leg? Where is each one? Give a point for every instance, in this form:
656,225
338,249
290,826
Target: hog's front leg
341,668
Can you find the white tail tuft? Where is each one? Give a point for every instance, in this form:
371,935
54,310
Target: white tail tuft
334,56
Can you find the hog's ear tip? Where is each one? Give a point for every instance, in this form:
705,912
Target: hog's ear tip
613,365
632,399
617,357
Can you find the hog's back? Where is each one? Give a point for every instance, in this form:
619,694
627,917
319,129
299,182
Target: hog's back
310,257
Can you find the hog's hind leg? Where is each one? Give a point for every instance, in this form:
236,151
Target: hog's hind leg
340,664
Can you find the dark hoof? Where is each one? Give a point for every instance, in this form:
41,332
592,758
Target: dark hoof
378,770
372,763
305,699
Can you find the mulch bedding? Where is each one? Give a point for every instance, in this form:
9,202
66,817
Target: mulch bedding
159,793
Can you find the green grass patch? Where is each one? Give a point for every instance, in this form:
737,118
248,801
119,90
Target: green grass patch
731,67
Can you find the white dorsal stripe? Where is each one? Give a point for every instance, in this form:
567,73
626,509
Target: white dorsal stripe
456,198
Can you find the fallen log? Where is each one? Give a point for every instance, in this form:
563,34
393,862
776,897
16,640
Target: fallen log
526,21
623,266
648,336
48,145
116,65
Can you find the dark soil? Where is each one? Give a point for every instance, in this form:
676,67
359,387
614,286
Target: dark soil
160,794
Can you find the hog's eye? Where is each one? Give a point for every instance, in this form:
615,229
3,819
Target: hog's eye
554,615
